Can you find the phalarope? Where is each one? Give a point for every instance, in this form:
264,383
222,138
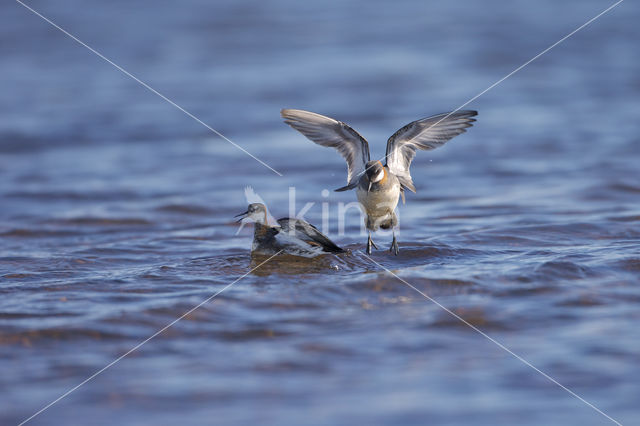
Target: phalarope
290,236
378,186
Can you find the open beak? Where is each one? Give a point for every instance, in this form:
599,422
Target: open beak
241,216
369,189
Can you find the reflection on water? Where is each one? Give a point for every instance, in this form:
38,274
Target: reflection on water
116,215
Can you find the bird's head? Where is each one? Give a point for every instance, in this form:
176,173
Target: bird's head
375,172
256,212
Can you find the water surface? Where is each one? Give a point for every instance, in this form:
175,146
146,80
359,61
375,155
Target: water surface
116,215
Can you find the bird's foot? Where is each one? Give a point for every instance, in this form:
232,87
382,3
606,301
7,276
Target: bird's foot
394,247
369,244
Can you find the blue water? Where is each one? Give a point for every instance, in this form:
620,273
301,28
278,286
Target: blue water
116,214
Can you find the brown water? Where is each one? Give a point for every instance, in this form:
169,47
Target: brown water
116,215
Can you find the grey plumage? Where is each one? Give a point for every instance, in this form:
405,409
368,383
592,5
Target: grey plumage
308,233
427,133
328,132
290,236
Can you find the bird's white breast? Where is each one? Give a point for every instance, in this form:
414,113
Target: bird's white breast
381,202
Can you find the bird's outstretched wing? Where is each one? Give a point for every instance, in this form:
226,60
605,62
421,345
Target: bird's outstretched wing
326,131
427,133
308,233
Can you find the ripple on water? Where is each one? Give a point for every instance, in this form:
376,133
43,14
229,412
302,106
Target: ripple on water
354,260
29,337
102,221
432,287
631,264
556,234
582,301
294,265
552,270
58,195
626,218
38,233
484,318
190,209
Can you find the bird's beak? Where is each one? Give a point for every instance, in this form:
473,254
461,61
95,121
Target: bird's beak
241,216
369,189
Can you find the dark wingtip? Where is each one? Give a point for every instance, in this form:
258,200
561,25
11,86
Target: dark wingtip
408,185
346,188
334,249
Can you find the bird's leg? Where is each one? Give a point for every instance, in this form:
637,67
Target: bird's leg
394,244
370,243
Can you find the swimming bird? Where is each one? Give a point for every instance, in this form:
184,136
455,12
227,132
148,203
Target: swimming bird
379,186
290,236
